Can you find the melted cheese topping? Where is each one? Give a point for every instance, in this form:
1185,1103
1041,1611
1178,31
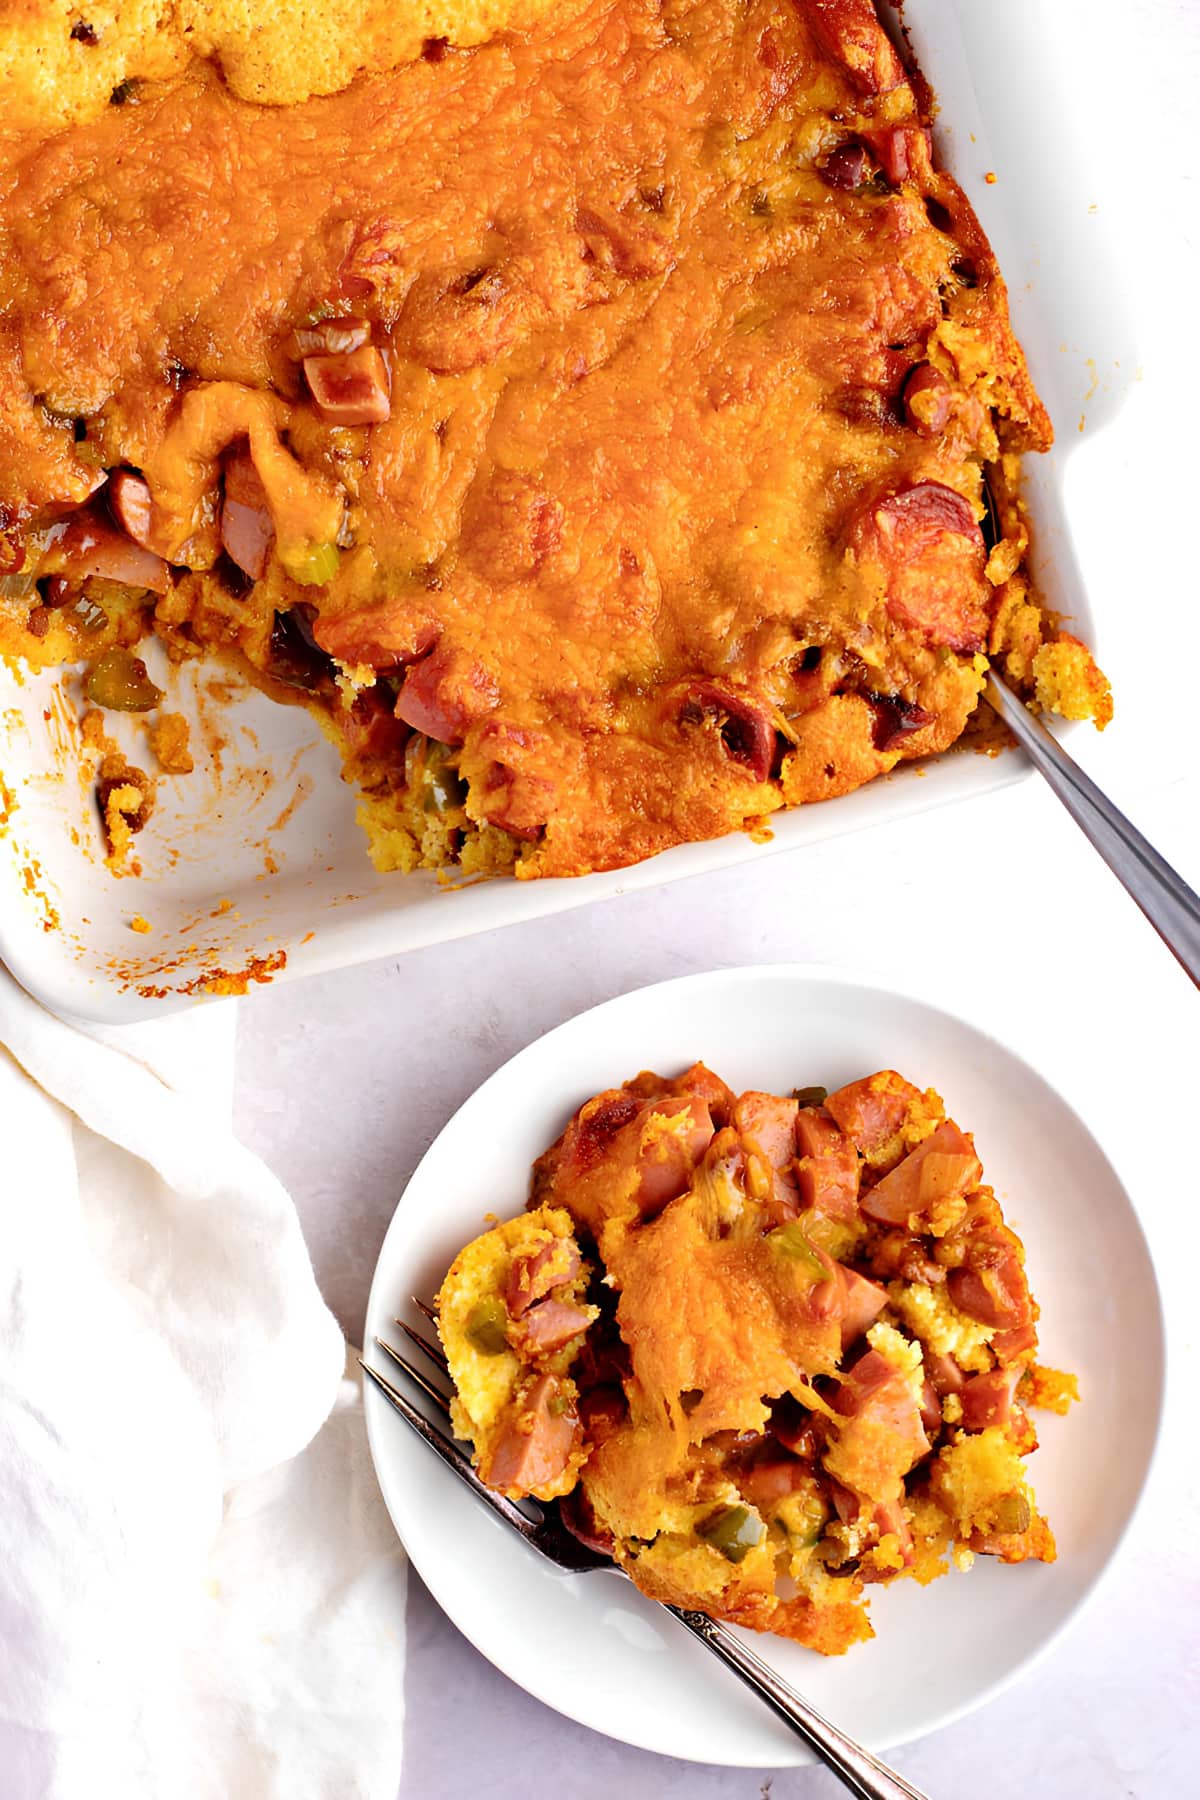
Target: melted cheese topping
694,359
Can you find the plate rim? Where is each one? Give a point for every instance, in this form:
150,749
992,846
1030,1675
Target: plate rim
376,1409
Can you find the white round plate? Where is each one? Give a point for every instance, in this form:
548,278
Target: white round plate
591,1646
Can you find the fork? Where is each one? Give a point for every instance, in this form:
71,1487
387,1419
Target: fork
544,1533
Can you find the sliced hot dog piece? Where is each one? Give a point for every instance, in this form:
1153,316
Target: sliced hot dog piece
849,33
766,1124
247,529
903,151
827,1174
991,1285
550,1325
943,1372
743,725
91,546
531,1277
874,1109
923,545
445,694
987,1400
132,505
943,1165
350,388
890,1521
927,401
667,1159
883,1435
534,1442
862,1302
1015,1344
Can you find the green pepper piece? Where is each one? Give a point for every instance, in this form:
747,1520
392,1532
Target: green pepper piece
118,682
792,1241
733,1530
1013,1513
445,791
485,1325
811,1096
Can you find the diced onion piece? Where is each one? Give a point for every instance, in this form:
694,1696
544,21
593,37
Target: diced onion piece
90,546
330,337
314,566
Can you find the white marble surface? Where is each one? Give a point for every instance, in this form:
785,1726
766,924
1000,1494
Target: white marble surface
1001,910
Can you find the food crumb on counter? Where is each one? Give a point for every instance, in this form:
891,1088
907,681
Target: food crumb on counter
137,923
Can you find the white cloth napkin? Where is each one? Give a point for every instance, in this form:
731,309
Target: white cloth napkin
200,1592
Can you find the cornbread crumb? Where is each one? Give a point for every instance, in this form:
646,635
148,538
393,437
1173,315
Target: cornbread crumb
1067,681
169,740
275,55
932,1316
1050,1390
137,923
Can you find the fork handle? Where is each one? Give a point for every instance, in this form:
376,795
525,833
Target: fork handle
1166,899
861,1772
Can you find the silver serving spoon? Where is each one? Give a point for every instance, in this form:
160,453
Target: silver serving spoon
1165,898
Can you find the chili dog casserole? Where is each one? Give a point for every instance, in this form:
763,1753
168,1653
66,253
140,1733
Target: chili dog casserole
587,418
765,1351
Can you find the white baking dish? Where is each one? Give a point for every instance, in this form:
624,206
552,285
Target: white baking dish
254,863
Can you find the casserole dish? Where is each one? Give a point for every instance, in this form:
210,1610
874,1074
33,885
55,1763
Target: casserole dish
257,870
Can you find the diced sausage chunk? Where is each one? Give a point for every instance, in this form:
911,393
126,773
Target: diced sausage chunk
924,547
531,1277
945,1375
883,1435
668,1158
550,1325
743,726
827,1174
874,1109
991,1285
247,529
861,1304
927,401
943,1165
534,1442
849,33
91,546
903,151
132,505
351,388
445,694
987,1400
766,1125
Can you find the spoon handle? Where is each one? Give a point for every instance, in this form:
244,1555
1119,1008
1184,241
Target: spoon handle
1166,899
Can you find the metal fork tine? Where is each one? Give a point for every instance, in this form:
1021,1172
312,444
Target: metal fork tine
433,1351
427,1387
427,1310
452,1455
